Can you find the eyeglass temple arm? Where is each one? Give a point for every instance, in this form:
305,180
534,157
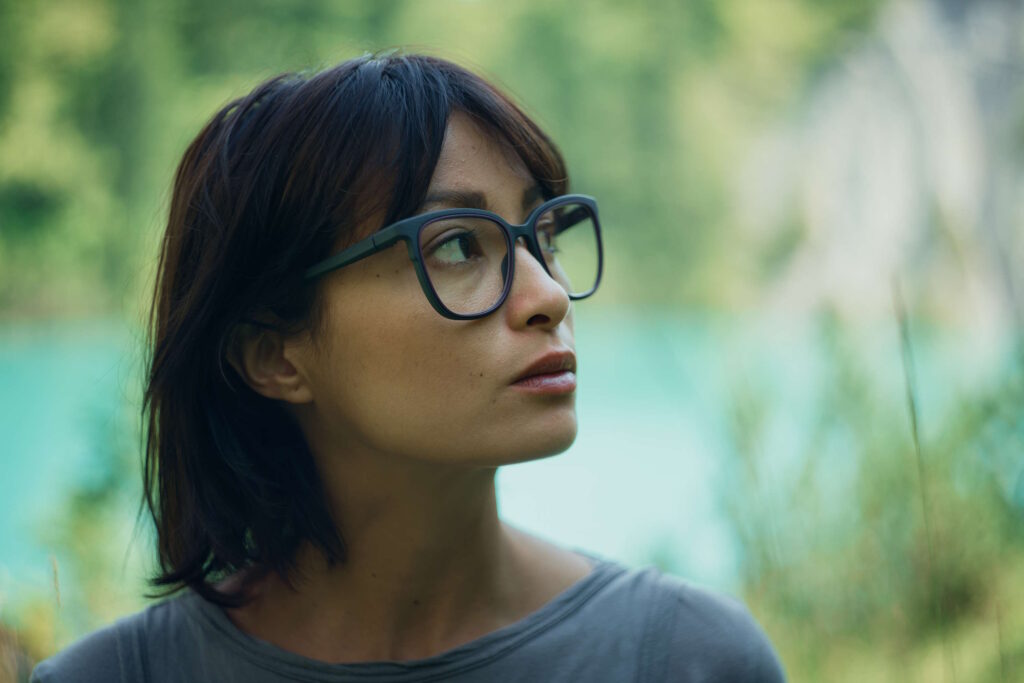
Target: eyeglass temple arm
573,217
358,251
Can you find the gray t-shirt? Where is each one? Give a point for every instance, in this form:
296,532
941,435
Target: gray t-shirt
615,624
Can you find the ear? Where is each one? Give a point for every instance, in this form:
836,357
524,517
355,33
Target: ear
269,363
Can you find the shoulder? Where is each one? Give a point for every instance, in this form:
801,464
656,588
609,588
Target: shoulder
114,653
698,634
678,630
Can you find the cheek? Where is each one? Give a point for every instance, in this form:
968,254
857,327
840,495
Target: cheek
400,376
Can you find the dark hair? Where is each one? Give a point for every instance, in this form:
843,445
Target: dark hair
275,182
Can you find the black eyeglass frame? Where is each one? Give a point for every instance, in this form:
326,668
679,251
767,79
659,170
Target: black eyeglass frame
408,229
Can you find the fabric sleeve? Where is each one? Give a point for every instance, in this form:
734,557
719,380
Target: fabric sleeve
92,659
709,637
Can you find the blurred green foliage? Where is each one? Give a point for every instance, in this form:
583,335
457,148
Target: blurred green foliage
908,568
651,102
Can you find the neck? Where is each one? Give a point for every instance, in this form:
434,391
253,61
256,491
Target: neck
430,537
429,566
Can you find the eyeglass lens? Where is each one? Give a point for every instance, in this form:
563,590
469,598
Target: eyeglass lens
466,257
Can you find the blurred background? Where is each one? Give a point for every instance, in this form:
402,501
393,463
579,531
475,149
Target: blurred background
802,382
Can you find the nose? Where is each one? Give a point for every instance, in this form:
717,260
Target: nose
535,298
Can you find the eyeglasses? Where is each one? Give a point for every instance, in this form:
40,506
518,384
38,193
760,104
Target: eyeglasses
465,258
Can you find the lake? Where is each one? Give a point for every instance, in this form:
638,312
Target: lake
645,481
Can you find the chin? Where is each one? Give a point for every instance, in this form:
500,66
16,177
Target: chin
542,444
504,444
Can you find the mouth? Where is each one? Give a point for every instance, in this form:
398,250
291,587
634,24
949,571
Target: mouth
553,372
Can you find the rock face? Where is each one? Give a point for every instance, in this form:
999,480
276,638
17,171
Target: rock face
905,160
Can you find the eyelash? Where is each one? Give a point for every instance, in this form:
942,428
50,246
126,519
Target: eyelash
446,237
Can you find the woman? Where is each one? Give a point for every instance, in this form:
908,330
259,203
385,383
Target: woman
363,309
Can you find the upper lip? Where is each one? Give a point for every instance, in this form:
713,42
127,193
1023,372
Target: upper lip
555,361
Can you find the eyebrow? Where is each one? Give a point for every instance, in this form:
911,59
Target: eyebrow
469,199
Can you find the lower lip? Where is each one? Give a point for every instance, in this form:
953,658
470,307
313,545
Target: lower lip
554,383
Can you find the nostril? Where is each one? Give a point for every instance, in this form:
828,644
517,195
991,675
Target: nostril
539,319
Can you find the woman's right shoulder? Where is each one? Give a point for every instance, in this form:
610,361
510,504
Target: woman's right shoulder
114,653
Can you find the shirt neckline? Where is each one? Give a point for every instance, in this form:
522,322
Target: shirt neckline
474,654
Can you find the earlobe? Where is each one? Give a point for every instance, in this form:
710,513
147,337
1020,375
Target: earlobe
259,357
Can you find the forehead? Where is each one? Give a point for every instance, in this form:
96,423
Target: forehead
473,158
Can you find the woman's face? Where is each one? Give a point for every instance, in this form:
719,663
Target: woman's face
390,375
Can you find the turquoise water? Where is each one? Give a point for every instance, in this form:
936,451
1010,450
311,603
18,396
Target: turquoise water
62,388
645,480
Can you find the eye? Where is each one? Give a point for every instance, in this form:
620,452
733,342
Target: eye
546,232
455,246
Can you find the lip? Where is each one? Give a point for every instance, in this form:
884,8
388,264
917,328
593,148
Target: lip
554,372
